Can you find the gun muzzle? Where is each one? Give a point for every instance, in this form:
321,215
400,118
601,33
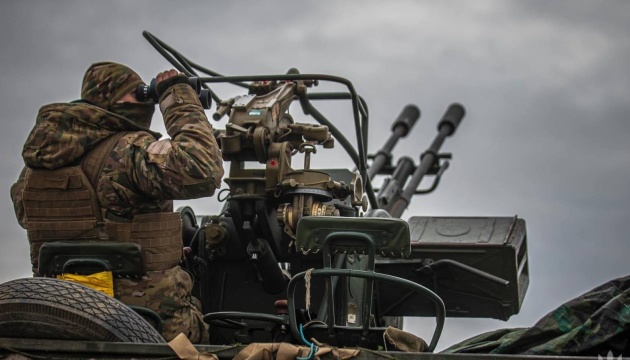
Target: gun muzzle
407,119
400,128
453,116
446,127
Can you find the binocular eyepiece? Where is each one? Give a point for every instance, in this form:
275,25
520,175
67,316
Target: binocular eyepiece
148,92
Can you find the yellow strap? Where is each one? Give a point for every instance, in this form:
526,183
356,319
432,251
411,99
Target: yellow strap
101,281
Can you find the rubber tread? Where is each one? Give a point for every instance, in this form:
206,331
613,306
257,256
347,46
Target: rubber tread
57,309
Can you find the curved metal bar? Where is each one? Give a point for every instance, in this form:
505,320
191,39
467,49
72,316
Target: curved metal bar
191,63
440,308
363,109
352,235
436,181
179,61
359,107
154,42
343,141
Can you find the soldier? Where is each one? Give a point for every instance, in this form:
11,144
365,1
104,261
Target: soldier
100,148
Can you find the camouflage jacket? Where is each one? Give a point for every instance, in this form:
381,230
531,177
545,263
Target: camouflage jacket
142,174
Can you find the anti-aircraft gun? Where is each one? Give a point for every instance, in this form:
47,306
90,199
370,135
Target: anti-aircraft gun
330,230
301,253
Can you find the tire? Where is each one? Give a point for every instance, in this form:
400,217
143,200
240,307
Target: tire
45,308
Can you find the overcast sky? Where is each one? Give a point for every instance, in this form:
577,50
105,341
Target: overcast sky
545,84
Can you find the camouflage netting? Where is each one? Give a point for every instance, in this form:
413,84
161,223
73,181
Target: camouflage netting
590,325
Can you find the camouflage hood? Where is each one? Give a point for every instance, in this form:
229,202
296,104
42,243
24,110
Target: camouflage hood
64,132
105,83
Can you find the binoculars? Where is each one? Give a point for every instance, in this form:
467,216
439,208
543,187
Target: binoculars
148,92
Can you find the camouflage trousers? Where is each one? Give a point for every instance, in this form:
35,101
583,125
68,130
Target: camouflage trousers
167,292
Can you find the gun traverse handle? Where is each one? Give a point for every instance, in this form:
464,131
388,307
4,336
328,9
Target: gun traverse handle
453,116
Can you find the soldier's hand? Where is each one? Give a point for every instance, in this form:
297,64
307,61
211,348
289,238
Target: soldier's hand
168,78
165,75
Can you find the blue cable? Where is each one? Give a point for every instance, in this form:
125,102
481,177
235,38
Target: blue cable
313,347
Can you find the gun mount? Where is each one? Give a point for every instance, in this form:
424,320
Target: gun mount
277,222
